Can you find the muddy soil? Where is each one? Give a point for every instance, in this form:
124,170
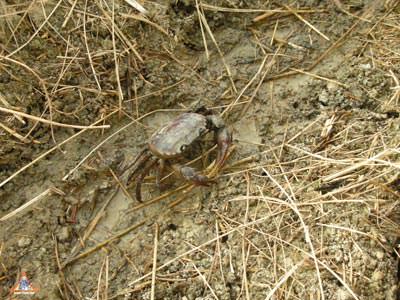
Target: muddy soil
307,204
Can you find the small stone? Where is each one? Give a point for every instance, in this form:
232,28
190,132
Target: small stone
331,86
365,66
230,277
378,276
323,97
380,255
24,242
64,234
338,256
343,294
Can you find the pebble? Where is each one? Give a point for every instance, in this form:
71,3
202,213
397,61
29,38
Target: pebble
331,86
64,234
342,294
323,97
377,276
338,256
24,242
380,255
365,66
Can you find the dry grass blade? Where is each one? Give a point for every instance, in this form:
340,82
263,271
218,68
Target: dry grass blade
116,61
41,81
259,71
31,202
228,70
119,32
92,225
245,252
283,279
14,133
205,281
37,30
394,100
254,10
87,46
307,235
145,20
307,23
50,151
320,77
104,243
354,167
7,105
156,199
154,270
137,6
310,197
261,81
202,30
97,147
69,14
15,112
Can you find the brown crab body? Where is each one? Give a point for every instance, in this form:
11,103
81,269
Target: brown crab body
172,140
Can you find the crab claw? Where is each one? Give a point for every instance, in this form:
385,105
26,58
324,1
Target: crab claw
190,174
224,140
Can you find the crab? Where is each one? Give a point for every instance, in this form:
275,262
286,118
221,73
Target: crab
167,145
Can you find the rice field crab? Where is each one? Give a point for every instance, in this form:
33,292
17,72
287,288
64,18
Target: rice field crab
168,144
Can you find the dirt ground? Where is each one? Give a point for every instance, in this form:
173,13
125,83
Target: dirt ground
307,205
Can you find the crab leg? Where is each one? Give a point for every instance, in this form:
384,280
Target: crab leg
160,172
138,163
224,140
149,164
223,136
190,174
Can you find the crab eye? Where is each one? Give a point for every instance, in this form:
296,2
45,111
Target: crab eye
183,148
